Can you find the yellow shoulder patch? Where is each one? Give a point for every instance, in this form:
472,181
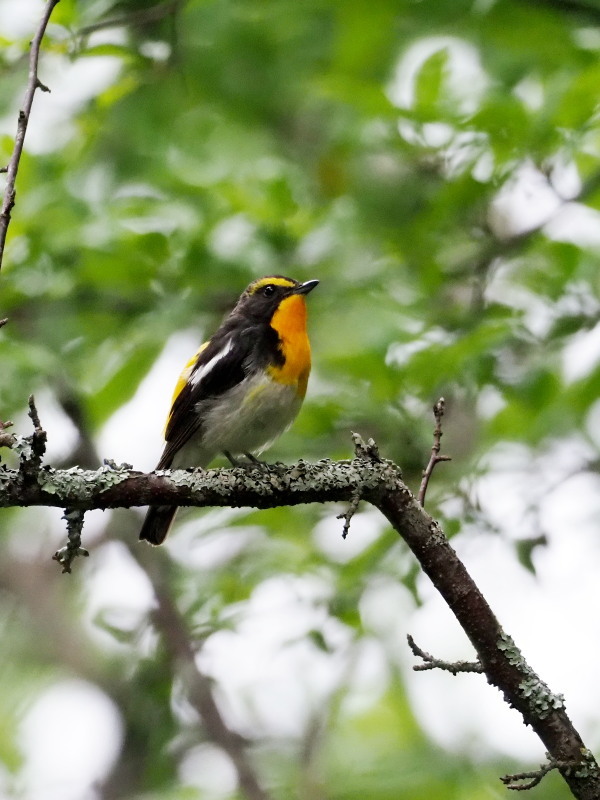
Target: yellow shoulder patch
182,380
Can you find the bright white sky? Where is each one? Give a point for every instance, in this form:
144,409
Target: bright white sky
553,616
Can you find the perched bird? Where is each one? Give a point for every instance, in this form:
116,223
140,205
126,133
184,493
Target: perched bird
242,389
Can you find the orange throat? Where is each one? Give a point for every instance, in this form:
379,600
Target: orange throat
290,323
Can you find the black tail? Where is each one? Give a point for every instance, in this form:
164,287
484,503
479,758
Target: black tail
157,523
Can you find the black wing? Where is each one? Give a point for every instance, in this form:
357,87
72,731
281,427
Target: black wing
220,366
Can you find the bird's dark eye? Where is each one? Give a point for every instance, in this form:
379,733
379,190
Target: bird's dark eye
269,290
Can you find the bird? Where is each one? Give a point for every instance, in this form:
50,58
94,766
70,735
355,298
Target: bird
242,389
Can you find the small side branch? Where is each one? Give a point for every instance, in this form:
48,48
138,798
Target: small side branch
31,456
366,451
73,549
347,516
523,781
33,83
430,662
438,413
38,439
31,450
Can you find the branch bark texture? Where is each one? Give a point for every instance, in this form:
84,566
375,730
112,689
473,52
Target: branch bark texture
378,482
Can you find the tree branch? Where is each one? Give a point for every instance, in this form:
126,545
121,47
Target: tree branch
33,83
182,654
379,482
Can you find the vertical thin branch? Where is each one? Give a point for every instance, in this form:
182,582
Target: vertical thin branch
33,83
438,413
38,439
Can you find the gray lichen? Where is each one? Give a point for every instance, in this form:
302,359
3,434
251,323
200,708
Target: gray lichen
540,699
79,483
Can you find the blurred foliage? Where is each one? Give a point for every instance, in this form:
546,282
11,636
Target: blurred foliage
368,144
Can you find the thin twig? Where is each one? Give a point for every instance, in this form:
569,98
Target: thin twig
33,83
31,450
352,509
39,436
438,413
430,662
5,320
523,781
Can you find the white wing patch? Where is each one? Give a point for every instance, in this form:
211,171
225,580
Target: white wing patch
197,376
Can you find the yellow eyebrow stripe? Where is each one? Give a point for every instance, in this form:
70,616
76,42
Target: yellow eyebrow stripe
271,281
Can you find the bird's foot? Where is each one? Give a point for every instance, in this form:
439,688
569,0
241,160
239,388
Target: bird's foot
251,463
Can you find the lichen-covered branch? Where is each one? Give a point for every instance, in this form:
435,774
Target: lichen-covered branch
501,660
260,487
378,482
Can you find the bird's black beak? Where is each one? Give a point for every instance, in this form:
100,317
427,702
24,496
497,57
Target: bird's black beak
306,287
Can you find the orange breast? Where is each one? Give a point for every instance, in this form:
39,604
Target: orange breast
290,323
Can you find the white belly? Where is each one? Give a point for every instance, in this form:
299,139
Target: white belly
246,419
